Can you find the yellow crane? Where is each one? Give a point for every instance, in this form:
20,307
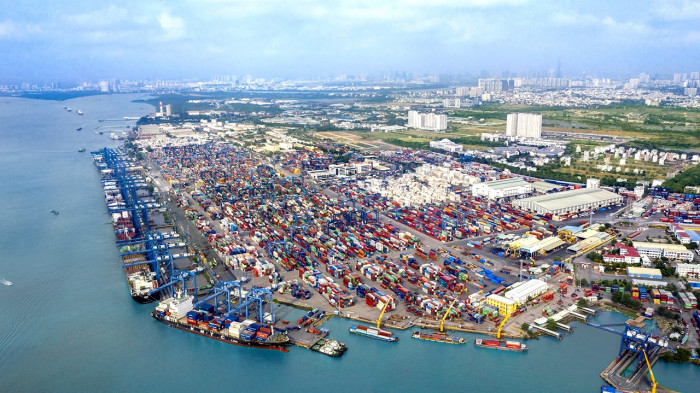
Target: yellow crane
651,374
379,320
503,323
442,321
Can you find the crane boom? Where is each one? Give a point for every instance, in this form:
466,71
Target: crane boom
379,320
442,321
651,374
500,327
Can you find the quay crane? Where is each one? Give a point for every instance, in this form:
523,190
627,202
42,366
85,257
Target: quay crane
444,317
651,374
500,326
379,320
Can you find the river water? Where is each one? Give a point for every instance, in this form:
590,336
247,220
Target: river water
68,323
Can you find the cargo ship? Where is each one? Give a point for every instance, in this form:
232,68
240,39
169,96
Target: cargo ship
439,337
379,334
142,281
502,345
178,313
329,347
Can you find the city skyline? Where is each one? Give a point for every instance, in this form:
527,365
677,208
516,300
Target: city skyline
82,40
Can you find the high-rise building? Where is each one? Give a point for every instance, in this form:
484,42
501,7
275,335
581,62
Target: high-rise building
524,125
427,121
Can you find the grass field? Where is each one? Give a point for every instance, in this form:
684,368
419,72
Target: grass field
660,127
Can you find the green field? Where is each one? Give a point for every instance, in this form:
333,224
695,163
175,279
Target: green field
651,127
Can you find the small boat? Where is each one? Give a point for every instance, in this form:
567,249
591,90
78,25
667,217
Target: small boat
5,282
79,128
82,149
79,112
54,212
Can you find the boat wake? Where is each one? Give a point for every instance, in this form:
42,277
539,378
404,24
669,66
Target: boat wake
5,282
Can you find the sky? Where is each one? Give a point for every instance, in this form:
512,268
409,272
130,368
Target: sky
51,40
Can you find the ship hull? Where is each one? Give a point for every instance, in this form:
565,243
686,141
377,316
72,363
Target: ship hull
479,343
220,337
437,339
389,339
145,299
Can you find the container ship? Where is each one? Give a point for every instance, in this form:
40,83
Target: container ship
178,312
439,337
503,345
379,334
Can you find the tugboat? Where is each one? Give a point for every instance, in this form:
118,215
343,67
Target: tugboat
329,347
54,212
82,149
439,337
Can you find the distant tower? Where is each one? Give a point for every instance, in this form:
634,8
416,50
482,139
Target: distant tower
161,108
558,75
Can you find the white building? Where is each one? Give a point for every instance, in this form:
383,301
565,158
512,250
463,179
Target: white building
573,201
658,250
427,121
524,125
592,183
502,188
689,270
447,145
452,103
522,292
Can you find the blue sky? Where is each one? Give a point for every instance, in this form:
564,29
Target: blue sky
87,40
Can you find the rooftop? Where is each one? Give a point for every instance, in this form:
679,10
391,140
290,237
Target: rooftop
662,246
506,183
564,199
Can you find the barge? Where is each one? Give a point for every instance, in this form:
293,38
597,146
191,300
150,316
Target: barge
378,334
438,337
502,345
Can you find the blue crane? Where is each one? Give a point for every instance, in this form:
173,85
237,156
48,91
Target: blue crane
634,341
221,291
178,277
258,297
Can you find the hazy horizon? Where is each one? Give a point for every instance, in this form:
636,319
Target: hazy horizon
83,40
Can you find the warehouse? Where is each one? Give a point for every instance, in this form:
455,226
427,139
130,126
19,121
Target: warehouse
643,272
658,250
529,289
505,306
573,201
502,188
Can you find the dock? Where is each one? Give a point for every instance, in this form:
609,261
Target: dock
589,311
565,327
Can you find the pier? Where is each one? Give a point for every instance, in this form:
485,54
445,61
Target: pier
547,331
565,327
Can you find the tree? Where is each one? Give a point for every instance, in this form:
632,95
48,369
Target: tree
551,324
584,282
582,302
557,259
617,297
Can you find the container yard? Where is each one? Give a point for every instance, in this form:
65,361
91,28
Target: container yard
355,249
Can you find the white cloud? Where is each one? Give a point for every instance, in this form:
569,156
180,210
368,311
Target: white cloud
107,17
10,29
173,26
677,9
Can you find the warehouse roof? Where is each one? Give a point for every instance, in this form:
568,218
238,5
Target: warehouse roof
643,271
661,246
543,186
506,183
564,199
500,299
